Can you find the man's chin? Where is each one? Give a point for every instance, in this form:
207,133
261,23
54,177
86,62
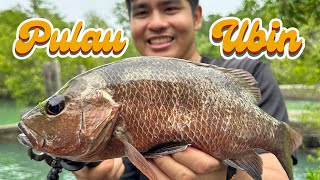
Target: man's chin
162,54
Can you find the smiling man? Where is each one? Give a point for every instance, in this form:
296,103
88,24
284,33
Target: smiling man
167,28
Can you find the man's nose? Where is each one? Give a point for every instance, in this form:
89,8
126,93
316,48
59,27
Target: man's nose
158,22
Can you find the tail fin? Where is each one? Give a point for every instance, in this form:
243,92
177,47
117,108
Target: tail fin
291,141
296,138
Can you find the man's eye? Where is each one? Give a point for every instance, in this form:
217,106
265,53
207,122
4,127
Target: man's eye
140,14
171,10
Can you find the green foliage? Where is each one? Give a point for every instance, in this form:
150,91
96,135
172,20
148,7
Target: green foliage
314,157
94,21
203,43
305,16
311,116
313,174
23,81
10,19
121,12
15,80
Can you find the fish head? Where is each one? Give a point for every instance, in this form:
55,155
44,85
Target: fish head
73,123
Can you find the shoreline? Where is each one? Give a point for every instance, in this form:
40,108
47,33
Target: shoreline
9,132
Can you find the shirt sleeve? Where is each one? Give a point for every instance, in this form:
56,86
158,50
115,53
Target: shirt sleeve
271,98
131,172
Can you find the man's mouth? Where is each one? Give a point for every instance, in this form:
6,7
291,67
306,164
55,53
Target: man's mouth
161,40
160,43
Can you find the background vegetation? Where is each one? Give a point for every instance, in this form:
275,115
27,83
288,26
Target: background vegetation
22,81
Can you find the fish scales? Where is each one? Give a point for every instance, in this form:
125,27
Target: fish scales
183,99
165,100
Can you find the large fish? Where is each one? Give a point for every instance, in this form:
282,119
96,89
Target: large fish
154,106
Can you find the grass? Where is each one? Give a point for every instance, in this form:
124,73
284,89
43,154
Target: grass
300,105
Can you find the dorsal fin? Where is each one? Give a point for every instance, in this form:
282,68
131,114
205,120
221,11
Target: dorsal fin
244,78
247,81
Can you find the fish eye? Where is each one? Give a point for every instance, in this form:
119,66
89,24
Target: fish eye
55,105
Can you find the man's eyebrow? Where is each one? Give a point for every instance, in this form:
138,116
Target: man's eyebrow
169,2
136,6
143,5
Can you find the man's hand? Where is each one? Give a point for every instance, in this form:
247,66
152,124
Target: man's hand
195,164
272,169
108,169
189,164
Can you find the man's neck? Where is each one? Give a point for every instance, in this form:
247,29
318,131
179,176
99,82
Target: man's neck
196,57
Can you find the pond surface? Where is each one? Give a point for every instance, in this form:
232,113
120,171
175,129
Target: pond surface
16,165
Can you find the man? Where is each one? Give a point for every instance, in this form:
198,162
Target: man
167,28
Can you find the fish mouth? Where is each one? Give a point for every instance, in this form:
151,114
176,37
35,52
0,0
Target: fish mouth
22,138
27,136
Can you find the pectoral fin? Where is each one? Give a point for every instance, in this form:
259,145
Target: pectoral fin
251,163
165,149
136,157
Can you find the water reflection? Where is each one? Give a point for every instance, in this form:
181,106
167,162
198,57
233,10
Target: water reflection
16,165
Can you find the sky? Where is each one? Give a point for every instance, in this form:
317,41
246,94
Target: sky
76,9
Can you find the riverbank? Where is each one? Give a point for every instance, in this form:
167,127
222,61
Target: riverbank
9,132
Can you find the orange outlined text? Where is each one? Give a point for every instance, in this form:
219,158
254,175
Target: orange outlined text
39,33
240,39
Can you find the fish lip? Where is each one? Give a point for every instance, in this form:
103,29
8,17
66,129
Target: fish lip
27,137
22,137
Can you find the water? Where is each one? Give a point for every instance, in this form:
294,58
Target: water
16,165
300,169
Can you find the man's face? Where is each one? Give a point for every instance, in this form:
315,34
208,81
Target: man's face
164,27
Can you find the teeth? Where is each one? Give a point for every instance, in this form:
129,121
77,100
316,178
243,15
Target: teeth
161,40
22,138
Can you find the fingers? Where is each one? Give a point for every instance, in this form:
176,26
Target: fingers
120,171
108,169
106,166
160,174
198,161
118,168
189,164
173,169
271,167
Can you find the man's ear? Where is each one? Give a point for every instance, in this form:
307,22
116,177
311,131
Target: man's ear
198,18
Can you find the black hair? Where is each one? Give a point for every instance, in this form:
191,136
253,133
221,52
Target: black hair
193,4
